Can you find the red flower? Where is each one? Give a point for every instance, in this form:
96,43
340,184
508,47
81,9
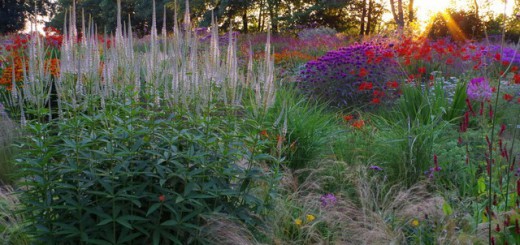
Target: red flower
363,72
375,101
449,61
516,78
263,133
514,68
421,70
497,56
162,198
348,117
508,97
365,86
392,84
359,124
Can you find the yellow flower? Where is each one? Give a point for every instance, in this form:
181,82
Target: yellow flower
415,222
310,217
298,221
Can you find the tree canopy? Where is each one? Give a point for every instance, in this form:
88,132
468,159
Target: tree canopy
14,13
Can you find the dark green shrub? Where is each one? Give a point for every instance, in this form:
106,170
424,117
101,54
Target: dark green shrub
128,175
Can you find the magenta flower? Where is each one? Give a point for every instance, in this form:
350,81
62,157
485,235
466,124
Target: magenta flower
328,200
479,89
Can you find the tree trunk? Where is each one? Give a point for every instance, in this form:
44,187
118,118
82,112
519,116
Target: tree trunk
476,8
261,16
369,19
400,13
363,16
244,21
273,15
411,13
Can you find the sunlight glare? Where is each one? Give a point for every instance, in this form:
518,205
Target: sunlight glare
428,8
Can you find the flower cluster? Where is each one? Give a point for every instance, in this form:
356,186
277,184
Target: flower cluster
479,89
356,74
328,200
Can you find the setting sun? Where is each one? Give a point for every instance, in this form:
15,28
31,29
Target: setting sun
428,8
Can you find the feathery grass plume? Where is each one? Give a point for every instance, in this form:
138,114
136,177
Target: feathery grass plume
8,133
222,229
11,222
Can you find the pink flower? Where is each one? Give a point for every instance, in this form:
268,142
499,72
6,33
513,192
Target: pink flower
479,89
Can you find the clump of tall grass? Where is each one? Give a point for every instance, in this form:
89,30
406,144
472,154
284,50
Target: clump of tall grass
8,132
11,223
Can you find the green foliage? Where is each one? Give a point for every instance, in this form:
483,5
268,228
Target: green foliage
130,174
458,24
408,134
311,129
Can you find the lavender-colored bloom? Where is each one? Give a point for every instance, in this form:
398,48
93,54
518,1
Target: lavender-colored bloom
328,200
479,89
377,168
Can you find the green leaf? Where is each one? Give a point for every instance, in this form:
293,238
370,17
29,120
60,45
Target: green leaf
97,241
105,221
446,208
153,208
171,222
124,222
481,185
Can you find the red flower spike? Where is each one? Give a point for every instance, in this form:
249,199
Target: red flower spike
518,187
421,70
497,228
162,198
488,142
375,101
468,103
492,240
508,97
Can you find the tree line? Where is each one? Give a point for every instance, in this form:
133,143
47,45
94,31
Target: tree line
363,17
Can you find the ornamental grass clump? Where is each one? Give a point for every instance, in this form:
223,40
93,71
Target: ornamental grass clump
359,74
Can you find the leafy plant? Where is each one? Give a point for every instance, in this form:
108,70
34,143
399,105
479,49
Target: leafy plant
131,175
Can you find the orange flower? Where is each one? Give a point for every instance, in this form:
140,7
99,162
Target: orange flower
347,118
359,124
263,133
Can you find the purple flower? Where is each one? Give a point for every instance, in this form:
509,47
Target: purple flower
479,89
328,200
377,168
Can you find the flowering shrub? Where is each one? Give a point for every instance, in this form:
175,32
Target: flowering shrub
357,74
